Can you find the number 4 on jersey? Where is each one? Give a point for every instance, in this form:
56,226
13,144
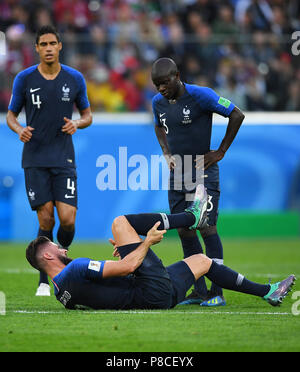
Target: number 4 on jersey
36,101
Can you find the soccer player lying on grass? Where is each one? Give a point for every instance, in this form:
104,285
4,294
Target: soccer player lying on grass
138,280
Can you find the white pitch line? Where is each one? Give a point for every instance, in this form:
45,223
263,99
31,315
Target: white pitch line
151,312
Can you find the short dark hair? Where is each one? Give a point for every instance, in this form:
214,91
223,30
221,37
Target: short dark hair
164,67
48,29
33,249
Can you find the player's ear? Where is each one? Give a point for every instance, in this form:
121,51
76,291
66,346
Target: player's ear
60,46
48,256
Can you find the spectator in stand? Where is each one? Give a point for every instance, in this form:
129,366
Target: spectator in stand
127,35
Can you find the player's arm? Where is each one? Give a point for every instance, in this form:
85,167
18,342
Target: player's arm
15,106
133,260
25,133
236,118
161,135
162,140
85,121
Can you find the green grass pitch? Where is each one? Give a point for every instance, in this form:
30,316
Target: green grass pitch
246,323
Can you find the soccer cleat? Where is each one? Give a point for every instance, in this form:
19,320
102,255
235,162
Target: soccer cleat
43,290
215,301
193,298
198,208
278,291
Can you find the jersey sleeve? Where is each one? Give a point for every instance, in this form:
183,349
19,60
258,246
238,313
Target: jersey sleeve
86,268
212,102
82,101
155,113
17,99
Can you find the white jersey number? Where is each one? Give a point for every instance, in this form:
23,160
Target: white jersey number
36,100
71,185
163,121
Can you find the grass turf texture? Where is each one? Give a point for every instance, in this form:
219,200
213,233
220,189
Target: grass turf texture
246,323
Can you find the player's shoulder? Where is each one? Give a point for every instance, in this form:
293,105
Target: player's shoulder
197,90
158,97
72,71
22,75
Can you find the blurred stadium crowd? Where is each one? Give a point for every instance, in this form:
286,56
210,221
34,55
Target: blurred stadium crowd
241,48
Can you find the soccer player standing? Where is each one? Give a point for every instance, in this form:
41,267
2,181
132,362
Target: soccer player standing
48,92
183,117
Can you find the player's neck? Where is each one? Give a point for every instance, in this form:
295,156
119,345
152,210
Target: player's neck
49,71
53,270
180,91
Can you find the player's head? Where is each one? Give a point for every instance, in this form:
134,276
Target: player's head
48,44
41,251
166,77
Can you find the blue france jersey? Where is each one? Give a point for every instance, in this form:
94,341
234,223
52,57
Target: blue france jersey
81,283
46,104
188,122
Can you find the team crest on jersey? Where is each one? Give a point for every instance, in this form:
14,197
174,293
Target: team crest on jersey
66,93
186,116
31,195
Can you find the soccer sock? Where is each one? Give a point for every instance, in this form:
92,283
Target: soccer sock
143,222
214,250
191,245
49,235
229,279
65,237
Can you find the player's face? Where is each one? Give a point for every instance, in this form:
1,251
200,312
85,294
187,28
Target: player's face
61,254
48,48
167,86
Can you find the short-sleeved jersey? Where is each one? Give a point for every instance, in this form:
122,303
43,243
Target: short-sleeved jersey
80,284
46,104
188,121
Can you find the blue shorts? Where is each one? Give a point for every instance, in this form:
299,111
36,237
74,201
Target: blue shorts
51,184
160,287
182,280
178,202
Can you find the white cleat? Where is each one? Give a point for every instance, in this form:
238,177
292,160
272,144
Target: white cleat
43,290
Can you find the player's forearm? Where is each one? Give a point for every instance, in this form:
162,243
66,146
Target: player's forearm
134,259
162,140
13,123
84,121
235,121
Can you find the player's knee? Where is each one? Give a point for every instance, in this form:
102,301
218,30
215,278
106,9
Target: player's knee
186,233
208,230
68,223
46,221
205,263
118,224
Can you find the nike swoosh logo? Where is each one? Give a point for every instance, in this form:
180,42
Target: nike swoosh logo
160,115
69,196
34,90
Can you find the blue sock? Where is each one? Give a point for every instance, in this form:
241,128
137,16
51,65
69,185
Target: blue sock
214,250
229,279
190,246
65,237
49,235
